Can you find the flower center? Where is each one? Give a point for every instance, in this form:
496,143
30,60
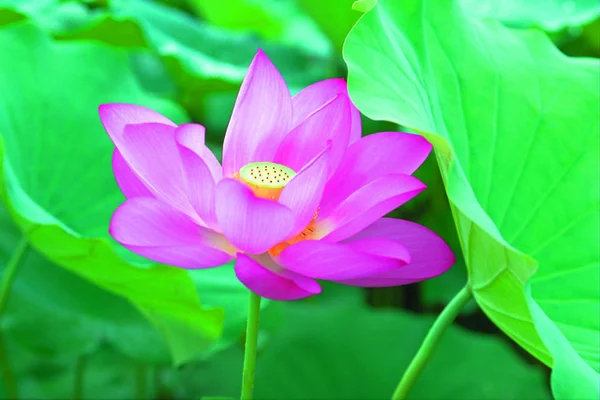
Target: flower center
266,179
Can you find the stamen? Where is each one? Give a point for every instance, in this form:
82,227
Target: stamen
306,234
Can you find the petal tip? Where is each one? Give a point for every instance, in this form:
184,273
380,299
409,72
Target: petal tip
261,56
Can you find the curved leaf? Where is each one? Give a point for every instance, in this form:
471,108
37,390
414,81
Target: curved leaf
515,124
57,179
571,377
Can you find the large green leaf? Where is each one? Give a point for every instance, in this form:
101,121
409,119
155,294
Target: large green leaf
56,176
431,209
349,352
550,15
572,378
516,125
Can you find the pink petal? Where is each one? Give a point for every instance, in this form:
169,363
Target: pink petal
330,123
303,193
154,230
115,116
371,157
281,285
317,95
367,205
201,186
335,261
260,118
250,223
192,136
430,255
383,247
128,182
152,153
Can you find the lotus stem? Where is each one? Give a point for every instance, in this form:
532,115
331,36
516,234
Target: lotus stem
433,337
7,280
250,347
78,380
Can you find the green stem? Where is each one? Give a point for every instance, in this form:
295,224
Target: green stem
9,272
7,280
250,350
9,379
431,340
78,381
141,373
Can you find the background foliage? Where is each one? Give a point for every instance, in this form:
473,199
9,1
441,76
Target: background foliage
508,93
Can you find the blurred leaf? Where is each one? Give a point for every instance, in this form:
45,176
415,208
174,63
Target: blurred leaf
218,398
58,182
9,16
106,374
217,62
220,287
200,58
515,125
275,20
152,74
335,17
345,352
52,15
245,15
583,42
551,15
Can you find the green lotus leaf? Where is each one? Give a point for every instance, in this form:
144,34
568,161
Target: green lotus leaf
56,176
572,377
515,124
551,15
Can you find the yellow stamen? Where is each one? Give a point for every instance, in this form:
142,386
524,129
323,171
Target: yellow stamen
306,234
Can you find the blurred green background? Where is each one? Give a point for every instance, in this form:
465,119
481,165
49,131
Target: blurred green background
85,319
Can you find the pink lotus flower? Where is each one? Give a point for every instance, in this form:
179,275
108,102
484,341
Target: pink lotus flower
300,195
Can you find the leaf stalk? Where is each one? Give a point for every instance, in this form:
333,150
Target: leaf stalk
433,337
